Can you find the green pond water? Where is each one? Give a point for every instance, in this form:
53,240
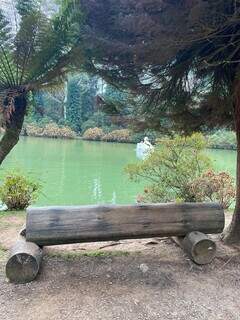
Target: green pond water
79,172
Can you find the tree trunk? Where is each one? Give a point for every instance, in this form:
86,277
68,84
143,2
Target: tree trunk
232,234
13,127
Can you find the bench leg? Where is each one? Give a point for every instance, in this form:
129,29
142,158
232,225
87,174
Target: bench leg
24,261
198,246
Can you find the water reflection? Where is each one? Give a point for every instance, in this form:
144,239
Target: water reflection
77,172
80,172
97,190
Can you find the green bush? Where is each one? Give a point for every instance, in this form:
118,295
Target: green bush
98,119
40,122
171,168
122,135
89,124
94,134
17,191
222,139
110,128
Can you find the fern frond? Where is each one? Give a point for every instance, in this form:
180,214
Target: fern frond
36,51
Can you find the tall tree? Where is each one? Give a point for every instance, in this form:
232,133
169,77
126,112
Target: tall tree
48,104
81,99
183,56
88,91
35,52
73,105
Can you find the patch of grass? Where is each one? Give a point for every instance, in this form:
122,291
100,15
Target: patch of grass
106,253
76,255
7,213
3,252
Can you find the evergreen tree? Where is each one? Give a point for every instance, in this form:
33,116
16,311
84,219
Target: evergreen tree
47,105
25,7
81,97
73,107
182,56
88,92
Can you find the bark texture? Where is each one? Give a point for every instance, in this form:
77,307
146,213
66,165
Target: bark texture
232,234
62,225
13,127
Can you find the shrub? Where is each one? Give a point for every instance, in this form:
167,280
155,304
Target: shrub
89,124
95,134
33,130
214,187
110,128
122,135
40,121
54,131
222,139
43,121
171,168
17,191
50,130
98,119
139,136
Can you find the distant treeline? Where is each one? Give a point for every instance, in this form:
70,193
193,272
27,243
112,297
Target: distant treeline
87,107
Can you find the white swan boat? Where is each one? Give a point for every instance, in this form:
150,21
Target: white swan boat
144,148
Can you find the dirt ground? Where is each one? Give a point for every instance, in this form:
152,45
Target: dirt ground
130,280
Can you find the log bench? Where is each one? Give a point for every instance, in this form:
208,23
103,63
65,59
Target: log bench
187,222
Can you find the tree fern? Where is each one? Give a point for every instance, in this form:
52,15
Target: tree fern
36,51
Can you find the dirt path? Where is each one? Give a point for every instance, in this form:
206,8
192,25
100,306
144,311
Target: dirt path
154,281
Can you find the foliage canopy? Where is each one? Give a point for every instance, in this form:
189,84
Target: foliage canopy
183,56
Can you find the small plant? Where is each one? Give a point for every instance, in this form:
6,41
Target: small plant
171,168
17,191
214,187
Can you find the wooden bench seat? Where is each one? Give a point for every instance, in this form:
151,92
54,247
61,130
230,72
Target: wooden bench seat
47,226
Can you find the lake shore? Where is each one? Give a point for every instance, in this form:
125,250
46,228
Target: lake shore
52,130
